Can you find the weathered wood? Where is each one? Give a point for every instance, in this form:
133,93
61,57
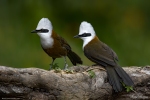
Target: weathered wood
39,84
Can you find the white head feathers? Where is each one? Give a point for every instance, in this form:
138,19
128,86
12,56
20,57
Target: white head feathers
86,27
45,37
44,23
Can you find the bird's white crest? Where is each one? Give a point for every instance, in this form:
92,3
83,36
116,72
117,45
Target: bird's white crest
46,39
86,27
45,24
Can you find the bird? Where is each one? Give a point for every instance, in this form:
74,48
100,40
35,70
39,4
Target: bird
53,44
101,54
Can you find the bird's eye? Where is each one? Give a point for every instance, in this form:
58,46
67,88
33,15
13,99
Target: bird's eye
44,30
85,34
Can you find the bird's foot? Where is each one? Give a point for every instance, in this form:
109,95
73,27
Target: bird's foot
57,70
68,71
54,66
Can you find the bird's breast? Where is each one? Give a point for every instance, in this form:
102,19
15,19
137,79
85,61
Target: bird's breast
55,50
47,43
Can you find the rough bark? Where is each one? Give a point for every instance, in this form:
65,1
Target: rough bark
39,84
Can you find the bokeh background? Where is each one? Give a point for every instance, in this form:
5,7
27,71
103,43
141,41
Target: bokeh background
124,25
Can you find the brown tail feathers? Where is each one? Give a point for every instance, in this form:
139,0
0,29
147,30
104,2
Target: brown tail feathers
117,76
74,58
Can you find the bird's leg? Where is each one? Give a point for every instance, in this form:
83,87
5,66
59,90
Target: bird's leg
66,65
51,65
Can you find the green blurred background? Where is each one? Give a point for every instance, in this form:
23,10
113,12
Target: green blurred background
124,25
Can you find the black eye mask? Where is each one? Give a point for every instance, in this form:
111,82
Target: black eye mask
44,30
40,31
85,35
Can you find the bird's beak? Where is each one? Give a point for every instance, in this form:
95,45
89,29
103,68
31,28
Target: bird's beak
34,31
77,36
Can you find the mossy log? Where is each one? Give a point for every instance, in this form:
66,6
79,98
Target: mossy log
39,84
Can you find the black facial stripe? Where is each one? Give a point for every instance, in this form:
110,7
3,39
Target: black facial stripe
85,35
43,30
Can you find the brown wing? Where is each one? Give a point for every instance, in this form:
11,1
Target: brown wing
100,53
63,43
110,51
74,58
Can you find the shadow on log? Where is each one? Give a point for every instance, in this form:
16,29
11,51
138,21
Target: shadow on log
38,84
